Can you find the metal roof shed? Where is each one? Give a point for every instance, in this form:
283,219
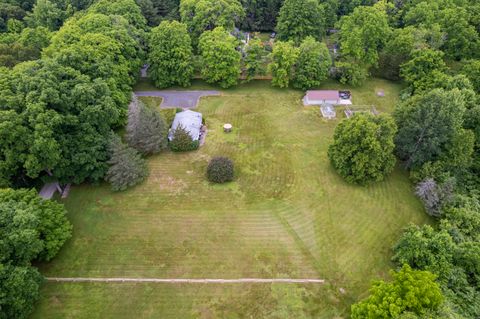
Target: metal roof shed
190,120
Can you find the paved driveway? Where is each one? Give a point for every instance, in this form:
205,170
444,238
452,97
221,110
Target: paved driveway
183,99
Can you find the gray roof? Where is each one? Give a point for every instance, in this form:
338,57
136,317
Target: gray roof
190,120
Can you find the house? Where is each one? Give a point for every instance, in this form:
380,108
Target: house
325,97
190,120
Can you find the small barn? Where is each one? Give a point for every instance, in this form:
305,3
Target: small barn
325,97
321,97
190,120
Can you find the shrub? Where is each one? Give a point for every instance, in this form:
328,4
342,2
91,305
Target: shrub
220,170
182,141
127,167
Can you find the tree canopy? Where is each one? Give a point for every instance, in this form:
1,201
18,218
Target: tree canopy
313,64
205,15
410,291
220,59
299,19
284,56
170,56
362,150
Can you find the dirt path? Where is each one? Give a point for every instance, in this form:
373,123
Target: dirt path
189,281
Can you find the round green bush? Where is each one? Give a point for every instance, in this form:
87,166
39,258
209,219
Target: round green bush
220,170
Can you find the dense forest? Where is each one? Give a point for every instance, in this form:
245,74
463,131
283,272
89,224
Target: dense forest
67,68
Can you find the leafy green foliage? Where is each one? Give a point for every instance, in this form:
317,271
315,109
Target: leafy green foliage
424,248
411,290
66,104
46,14
283,58
299,19
146,129
421,71
125,8
170,56
220,59
260,15
220,170
19,288
127,167
182,141
362,150
313,64
472,70
350,72
427,126
254,59
364,32
44,224
30,229
203,15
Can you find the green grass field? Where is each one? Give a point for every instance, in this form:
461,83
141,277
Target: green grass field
287,214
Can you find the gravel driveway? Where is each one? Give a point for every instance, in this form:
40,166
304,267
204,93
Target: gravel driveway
183,99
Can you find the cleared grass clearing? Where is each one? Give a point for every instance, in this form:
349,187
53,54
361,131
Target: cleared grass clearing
287,215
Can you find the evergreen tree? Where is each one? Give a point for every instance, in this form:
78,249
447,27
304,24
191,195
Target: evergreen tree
146,129
127,167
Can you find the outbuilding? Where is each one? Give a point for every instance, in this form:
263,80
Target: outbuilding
191,121
325,97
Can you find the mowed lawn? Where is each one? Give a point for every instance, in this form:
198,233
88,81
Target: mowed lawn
287,215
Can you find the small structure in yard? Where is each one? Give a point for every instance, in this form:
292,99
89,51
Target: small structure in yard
191,121
380,93
327,97
351,111
227,128
49,189
328,111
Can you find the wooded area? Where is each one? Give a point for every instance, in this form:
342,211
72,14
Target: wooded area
67,68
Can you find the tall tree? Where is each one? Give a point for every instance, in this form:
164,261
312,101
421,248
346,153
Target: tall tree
170,57
205,15
284,56
19,288
220,59
299,19
44,226
313,64
410,291
427,124
254,63
127,167
363,33
422,70
146,129
125,8
362,151
260,15
46,14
